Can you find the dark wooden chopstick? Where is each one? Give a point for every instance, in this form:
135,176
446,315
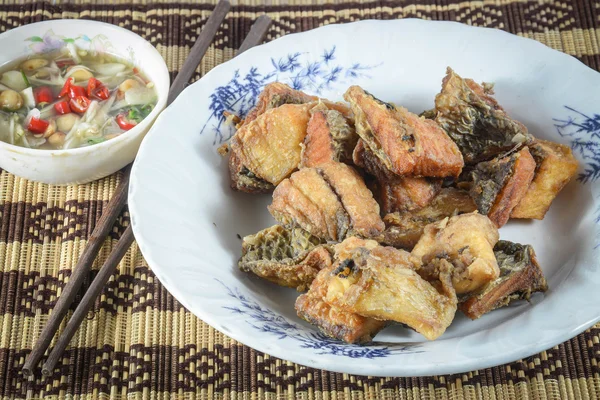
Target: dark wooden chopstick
198,50
116,203
257,33
258,30
84,264
88,300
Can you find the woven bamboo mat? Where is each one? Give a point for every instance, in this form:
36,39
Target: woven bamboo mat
139,341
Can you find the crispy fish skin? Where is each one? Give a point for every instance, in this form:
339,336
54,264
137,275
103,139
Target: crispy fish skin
244,180
310,182
269,146
499,185
475,121
365,158
277,94
357,199
381,283
404,229
274,95
405,143
555,167
307,201
396,193
331,320
467,241
329,137
520,276
330,202
290,258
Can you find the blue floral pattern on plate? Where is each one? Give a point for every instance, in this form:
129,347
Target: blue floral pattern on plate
298,70
584,133
268,321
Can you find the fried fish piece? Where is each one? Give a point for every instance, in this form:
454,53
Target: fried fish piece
408,194
274,95
396,193
269,146
365,158
331,320
467,241
499,185
331,202
244,180
307,200
329,137
381,283
289,258
405,143
555,167
357,199
520,276
475,121
404,229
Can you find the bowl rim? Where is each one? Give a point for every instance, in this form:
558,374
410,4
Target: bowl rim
134,132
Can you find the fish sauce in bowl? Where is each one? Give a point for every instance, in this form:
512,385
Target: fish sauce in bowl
69,98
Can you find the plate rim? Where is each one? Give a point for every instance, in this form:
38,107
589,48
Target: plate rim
469,364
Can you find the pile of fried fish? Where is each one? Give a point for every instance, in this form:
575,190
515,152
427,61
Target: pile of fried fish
387,216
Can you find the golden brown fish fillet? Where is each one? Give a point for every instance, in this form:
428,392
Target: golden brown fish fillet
555,167
404,229
307,200
274,95
381,283
289,258
520,276
357,199
269,146
331,320
475,121
499,185
329,137
329,202
396,193
408,194
467,241
404,142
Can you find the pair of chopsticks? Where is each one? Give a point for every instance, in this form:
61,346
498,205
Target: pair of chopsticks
115,205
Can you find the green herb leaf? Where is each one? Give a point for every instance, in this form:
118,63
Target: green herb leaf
35,39
25,78
96,140
69,40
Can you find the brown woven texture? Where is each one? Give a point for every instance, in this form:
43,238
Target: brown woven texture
139,342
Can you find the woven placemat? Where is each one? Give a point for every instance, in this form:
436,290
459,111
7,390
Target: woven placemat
139,341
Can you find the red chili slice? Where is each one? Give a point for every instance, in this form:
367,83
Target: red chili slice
97,90
125,123
62,107
101,93
42,94
76,91
37,125
65,89
80,104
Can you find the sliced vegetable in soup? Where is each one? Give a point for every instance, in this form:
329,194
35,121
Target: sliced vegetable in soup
70,99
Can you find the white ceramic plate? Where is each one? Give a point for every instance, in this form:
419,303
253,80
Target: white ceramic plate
188,222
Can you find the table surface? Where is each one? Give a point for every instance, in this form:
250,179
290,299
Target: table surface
139,342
